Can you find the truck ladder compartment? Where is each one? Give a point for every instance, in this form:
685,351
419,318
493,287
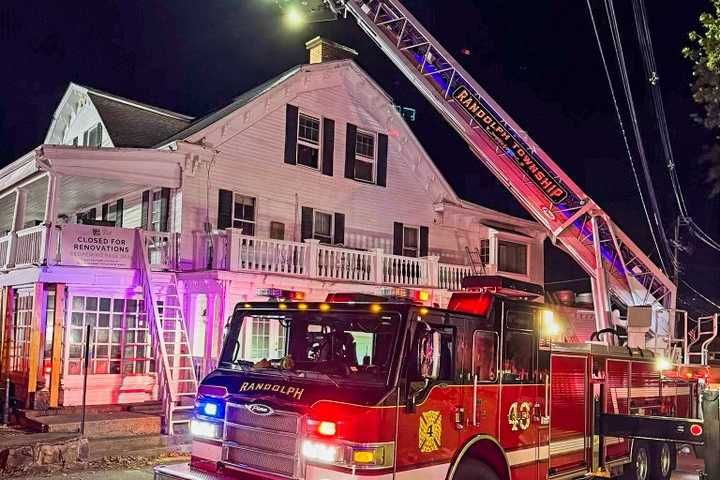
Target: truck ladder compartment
666,429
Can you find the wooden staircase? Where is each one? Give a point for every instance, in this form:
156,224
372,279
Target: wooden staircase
177,383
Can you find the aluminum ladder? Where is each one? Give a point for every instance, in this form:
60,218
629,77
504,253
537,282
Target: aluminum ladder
695,335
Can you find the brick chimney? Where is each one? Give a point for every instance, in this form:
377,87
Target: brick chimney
324,50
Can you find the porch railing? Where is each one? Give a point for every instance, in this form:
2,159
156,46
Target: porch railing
4,249
235,252
27,247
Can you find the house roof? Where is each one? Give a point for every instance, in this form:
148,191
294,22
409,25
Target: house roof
237,102
133,124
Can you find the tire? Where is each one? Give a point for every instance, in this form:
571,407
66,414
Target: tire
639,467
471,469
661,461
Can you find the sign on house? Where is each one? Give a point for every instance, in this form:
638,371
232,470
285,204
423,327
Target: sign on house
95,246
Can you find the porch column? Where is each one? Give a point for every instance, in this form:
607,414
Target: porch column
18,220
210,328
49,251
36,342
58,327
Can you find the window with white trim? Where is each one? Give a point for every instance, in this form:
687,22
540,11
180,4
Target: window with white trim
411,241
365,156
93,136
485,251
244,214
512,257
308,144
156,210
323,227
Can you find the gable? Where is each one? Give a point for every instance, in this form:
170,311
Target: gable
125,123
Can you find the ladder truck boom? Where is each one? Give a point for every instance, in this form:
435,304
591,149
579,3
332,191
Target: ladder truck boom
618,268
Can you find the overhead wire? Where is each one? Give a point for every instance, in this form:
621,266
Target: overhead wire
623,132
620,57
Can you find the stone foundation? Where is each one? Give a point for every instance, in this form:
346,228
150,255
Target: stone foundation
45,452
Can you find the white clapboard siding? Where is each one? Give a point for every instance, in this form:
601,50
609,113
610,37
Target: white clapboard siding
252,163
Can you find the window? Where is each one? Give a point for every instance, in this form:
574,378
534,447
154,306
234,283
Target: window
485,251
244,214
484,359
20,331
323,227
512,257
111,213
93,136
75,141
410,241
518,348
120,342
365,157
277,231
308,145
156,211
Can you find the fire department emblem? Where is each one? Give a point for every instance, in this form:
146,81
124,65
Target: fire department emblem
430,431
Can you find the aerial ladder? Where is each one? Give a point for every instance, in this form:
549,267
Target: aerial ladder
619,270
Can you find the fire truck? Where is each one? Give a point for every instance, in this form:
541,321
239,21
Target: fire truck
368,387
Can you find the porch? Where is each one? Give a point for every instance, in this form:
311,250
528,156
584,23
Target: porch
231,251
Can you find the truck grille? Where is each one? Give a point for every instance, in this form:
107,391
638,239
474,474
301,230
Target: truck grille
267,443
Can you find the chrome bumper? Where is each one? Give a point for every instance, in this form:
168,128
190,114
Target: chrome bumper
182,471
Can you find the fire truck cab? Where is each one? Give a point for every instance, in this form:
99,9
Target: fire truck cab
368,387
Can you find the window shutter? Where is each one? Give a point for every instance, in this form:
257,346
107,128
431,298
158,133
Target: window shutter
104,210
397,238
99,134
85,138
306,223
382,160
164,209
350,139
92,214
119,212
225,205
328,146
339,234
424,234
291,127
145,209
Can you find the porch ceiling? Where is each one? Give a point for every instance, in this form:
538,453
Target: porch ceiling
77,193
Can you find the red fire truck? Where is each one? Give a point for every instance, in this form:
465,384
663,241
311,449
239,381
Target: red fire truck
366,387
374,388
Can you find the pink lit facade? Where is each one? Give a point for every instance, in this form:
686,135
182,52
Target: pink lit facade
311,182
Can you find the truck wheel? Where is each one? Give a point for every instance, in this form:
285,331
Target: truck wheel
639,467
661,461
471,469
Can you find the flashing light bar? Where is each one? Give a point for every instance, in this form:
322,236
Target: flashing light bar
417,296
279,294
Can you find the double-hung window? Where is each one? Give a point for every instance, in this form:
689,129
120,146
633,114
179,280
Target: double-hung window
156,211
93,136
365,156
410,245
244,214
308,144
323,227
485,251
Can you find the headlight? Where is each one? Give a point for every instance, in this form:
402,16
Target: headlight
350,455
200,428
210,408
320,452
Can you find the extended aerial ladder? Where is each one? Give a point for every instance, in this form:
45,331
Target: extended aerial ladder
618,269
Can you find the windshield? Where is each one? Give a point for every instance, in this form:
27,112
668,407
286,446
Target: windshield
340,346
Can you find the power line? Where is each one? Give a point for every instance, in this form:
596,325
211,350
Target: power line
700,294
623,132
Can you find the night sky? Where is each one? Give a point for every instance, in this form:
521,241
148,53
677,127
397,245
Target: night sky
538,59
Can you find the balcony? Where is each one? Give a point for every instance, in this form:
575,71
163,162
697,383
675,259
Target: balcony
234,252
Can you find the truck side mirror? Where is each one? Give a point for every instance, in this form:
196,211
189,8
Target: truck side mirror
429,355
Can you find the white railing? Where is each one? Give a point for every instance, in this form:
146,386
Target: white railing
4,249
450,276
345,264
161,249
235,252
30,246
265,255
400,270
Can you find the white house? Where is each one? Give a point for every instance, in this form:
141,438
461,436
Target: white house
150,226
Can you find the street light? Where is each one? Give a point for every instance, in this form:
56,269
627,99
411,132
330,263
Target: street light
294,17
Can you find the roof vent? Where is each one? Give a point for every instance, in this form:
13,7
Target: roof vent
324,50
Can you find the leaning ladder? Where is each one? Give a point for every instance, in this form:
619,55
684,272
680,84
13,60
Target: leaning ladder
177,383
475,260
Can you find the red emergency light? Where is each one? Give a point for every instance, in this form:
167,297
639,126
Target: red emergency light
476,303
280,294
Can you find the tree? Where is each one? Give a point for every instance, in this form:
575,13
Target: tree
704,53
